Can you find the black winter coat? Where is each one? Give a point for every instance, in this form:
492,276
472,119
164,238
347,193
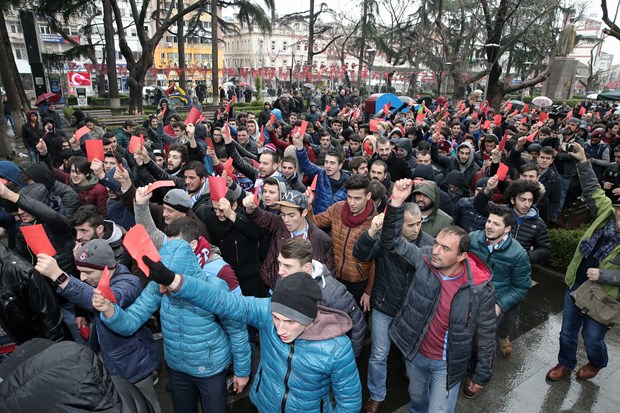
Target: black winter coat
472,312
28,307
393,274
467,216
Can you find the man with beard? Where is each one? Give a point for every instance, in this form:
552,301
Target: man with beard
463,161
426,195
397,167
512,272
379,172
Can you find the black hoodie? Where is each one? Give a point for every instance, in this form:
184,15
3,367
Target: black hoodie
63,198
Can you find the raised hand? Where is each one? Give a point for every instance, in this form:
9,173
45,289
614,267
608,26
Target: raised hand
401,191
102,304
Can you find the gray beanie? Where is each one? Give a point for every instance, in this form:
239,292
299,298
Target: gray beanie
96,254
296,296
178,199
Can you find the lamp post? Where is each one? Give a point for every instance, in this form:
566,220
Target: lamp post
370,56
447,64
492,49
526,72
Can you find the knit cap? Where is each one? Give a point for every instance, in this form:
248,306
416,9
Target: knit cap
178,199
295,297
96,254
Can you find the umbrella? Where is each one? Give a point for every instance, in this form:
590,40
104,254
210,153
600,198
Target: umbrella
52,97
592,96
517,104
243,84
308,85
227,85
542,101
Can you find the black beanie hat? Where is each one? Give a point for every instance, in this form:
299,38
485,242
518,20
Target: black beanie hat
296,296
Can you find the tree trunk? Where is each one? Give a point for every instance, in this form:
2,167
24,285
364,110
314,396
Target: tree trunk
110,52
100,82
181,49
11,88
413,84
459,89
311,35
5,146
360,61
495,92
214,54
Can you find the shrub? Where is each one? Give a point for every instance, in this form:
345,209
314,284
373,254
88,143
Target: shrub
564,242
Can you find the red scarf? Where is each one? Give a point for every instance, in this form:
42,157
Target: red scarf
352,221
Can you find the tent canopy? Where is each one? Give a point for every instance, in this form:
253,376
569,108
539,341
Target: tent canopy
615,95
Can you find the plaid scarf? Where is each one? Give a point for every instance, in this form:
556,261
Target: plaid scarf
610,241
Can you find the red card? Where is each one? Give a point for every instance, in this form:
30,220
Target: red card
526,108
193,115
81,132
210,144
523,120
543,116
502,171
302,128
256,199
373,124
502,144
104,285
272,119
138,244
327,108
234,99
515,113
445,106
159,184
314,181
368,148
497,119
228,167
217,186
261,137
37,240
163,112
509,106
294,131
219,112
135,143
582,111
474,115
94,149
486,124
420,117
227,110
169,131
531,136
386,109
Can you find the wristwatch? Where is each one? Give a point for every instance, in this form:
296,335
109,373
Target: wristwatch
61,279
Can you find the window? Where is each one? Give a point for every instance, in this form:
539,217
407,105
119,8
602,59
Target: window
162,56
284,45
260,45
20,54
134,32
284,62
16,28
171,39
119,56
44,30
273,45
298,47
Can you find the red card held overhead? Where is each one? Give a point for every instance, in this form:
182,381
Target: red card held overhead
327,108
234,99
509,106
94,149
526,108
531,136
497,119
502,143
193,115
228,167
210,144
217,187
261,137
515,113
386,109
543,116
160,184
81,132
420,117
138,244
523,120
582,111
502,170
37,240
373,124
302,128
104,285
135,142
314,181
272,119
486,124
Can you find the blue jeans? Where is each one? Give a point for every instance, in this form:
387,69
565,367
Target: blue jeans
33,153
186,389
379,350
593,336
565,185
427,386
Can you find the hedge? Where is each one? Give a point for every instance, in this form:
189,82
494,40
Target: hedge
564,242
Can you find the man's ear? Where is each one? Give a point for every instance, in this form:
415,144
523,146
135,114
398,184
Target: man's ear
308,267
194,244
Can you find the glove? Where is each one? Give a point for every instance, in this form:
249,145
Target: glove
159,272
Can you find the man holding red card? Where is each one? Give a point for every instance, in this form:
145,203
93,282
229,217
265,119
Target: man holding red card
134,357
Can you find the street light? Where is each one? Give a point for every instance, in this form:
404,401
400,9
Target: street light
370,56
492,49
447,64
526,66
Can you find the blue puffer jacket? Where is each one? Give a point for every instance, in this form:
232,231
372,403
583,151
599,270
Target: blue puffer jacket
297,377
195,341
134,357
324,197
512,272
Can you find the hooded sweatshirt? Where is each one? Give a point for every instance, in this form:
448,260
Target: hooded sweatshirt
457,179
437,219
63,198
405,143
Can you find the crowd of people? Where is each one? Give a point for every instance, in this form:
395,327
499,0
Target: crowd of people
417,226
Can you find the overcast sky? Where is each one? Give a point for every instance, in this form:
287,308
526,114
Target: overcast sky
611,45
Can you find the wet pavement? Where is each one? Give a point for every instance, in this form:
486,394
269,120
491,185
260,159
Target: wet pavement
518,383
